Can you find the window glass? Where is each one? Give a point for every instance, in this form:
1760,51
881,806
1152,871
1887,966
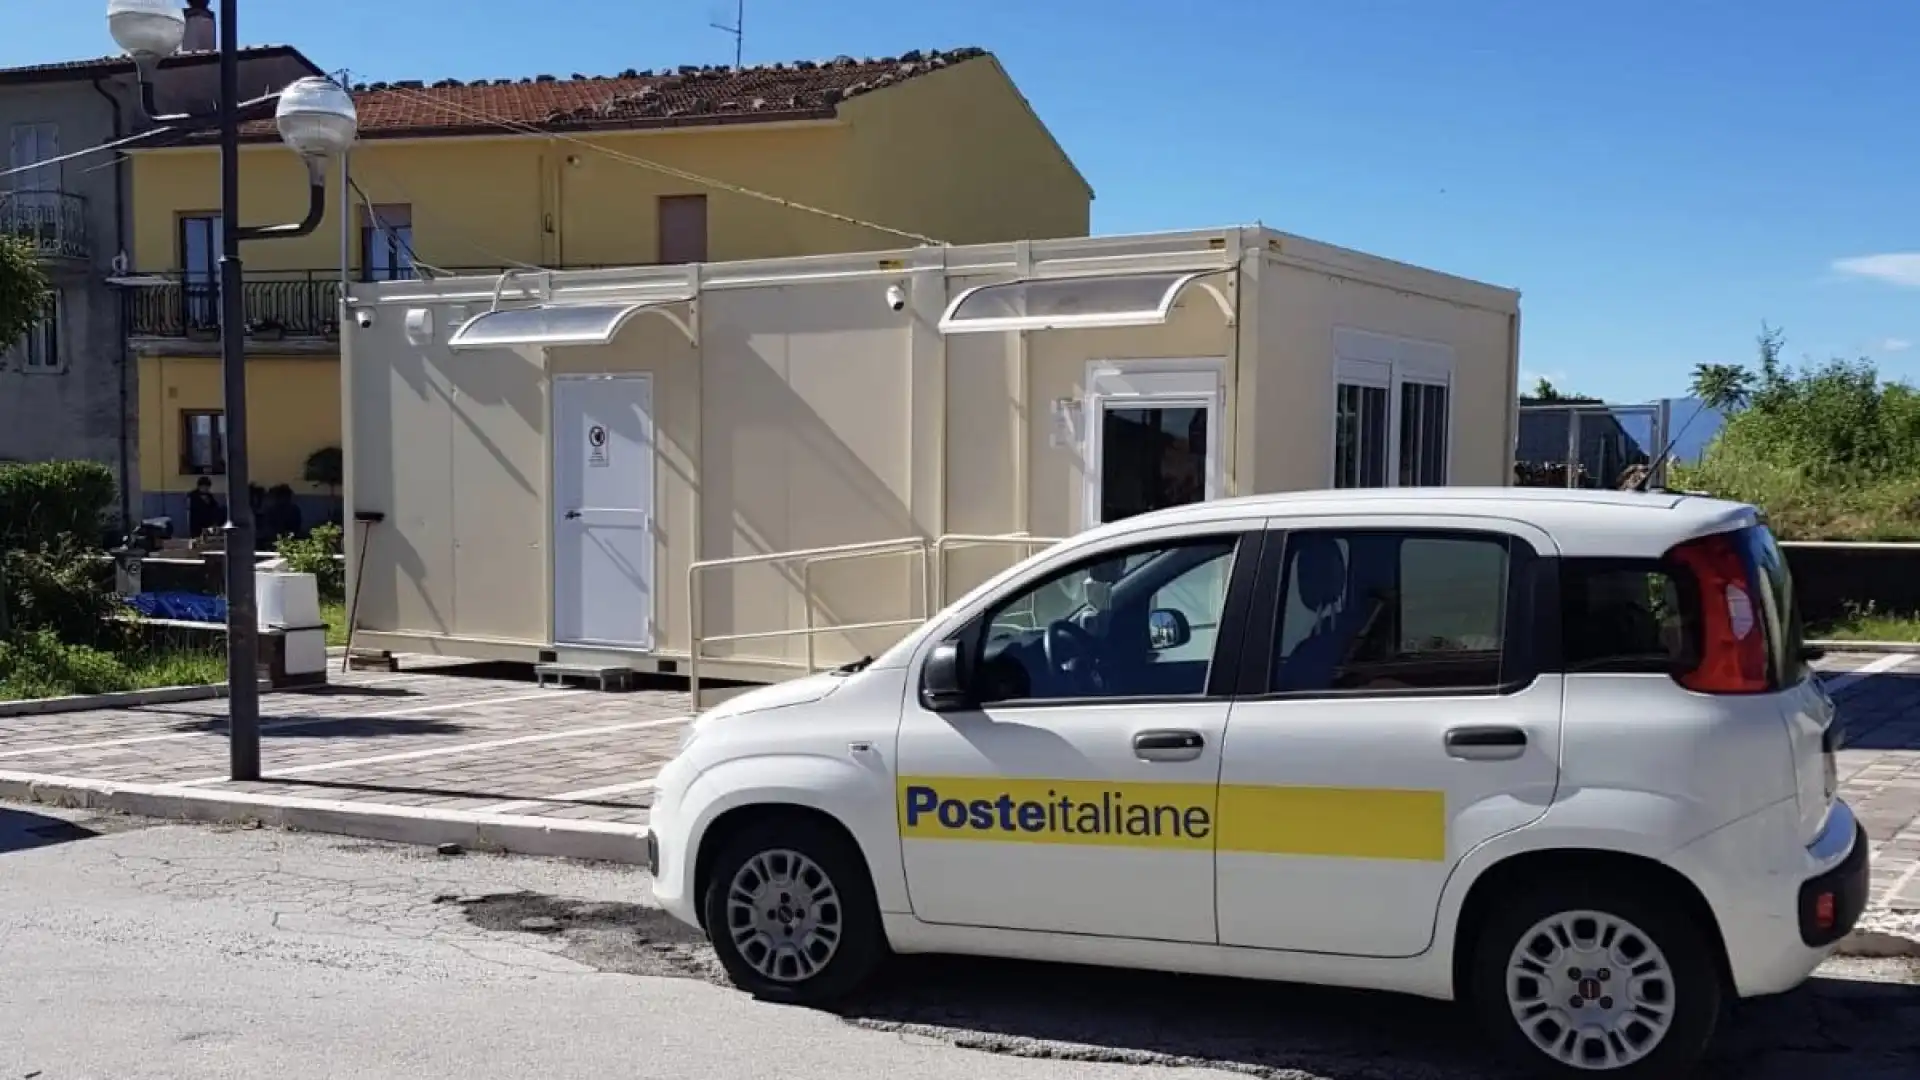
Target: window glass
386,243
203,442
1142,623
1423,435
1786,637
1360,437
1384,610
1151,459
1625,616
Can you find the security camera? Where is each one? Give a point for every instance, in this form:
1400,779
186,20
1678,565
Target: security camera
896,298
363,318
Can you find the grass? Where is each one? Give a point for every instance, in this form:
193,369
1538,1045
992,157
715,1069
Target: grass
1867,624
334,614
38,665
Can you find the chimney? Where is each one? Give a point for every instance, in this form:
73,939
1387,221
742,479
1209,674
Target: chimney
201,35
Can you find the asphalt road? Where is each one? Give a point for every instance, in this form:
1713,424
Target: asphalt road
129,949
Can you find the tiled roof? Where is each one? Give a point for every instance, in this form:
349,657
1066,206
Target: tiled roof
687,96
101,66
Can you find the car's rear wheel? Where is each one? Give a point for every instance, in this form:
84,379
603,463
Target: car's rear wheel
1586,979
790,911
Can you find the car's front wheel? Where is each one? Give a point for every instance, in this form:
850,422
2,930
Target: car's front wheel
1585,979
791,913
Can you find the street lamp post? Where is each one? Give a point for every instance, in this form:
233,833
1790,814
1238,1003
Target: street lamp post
316,119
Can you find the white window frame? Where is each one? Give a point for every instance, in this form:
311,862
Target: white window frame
1170,382
47,335
1370,358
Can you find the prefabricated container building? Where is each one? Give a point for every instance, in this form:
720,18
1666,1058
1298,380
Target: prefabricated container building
771,467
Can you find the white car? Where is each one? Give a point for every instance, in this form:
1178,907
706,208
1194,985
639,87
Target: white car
1556,754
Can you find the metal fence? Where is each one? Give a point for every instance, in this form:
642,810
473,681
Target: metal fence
53,223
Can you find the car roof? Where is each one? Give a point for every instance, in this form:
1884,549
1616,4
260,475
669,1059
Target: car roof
1589,523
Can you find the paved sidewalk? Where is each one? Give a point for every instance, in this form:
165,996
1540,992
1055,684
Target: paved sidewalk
434,737
461,744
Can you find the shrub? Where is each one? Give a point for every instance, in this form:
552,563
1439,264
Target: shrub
1830,451
37,664
52,502
314,554
65,588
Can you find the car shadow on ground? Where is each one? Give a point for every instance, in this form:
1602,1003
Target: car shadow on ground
1881,712
1830,1028
23,830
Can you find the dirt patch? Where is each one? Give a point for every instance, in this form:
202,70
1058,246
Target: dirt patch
630,939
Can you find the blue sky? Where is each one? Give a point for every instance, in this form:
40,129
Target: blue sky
1657,177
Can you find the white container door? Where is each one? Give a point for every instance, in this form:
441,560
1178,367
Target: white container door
603,457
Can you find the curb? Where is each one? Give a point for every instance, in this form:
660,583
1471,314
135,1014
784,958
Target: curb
1882,648
126,699
594,840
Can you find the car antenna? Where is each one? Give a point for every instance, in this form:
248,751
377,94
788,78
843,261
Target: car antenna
1660,462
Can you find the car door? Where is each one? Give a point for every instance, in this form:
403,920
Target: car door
1391,718
1074,790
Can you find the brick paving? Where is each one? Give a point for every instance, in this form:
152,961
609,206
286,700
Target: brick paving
484,738
435,735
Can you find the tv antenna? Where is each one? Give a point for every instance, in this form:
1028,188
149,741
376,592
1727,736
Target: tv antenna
738,29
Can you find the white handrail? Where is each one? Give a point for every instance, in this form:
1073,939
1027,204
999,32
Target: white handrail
696,641
932,593
950,541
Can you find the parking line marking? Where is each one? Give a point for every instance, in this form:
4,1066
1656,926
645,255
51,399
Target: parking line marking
569,796
1878,667
446,751
271,725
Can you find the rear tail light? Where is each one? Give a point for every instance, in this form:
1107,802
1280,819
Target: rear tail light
1733,639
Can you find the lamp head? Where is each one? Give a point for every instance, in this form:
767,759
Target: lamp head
147,29
316,117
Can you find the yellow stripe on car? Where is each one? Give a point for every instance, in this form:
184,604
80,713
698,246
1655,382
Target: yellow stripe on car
1364,823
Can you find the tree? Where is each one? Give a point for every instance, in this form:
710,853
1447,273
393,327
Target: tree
23,290
1722,387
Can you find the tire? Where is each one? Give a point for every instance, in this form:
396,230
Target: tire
1550,921
789,950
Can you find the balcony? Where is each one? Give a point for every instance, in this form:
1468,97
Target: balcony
54,223
280,305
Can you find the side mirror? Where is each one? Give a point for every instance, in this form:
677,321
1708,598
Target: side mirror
943,678
1167,629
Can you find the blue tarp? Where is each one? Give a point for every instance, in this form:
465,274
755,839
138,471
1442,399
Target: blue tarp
182,606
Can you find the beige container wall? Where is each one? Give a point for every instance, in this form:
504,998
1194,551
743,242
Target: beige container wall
987,432
1300,310
452,448
806,412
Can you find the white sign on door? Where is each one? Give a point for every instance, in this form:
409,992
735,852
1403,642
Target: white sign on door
597,446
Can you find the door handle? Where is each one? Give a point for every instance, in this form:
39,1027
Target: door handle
1491,743
573,515
1168,745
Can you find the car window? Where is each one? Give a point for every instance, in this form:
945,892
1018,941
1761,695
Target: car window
1141,623
1620,615
1392,610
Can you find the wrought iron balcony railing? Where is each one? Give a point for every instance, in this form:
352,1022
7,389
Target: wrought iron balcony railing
278,304
53,222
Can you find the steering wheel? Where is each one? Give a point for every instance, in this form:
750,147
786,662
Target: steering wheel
1064,643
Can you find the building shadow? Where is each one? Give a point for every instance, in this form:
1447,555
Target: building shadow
328,727
24,830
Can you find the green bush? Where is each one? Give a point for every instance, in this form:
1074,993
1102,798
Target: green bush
52,502
314,554
1830,451
65,588
37,664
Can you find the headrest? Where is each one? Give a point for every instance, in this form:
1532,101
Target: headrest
1320,571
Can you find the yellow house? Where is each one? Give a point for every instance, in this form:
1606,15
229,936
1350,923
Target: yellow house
694,165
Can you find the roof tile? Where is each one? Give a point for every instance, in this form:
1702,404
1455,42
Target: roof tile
633,99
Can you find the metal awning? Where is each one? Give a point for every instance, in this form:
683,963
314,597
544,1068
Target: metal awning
558,324
1084,302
